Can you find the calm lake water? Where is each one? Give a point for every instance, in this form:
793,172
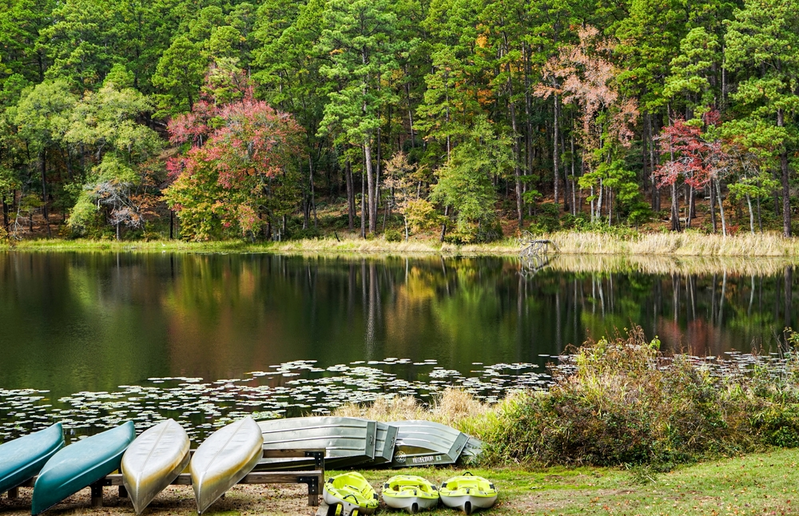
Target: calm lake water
103,323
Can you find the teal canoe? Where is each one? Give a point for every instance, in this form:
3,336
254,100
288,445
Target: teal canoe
21,459
80,465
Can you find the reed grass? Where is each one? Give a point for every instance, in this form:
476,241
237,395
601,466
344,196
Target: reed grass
454,407
681,265
618,242
688,243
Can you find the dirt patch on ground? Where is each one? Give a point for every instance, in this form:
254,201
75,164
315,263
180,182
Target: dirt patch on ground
282,499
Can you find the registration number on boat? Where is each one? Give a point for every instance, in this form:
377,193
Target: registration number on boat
423,460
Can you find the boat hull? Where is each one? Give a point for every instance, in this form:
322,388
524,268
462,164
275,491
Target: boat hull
425,443
346,440
153,461
468,493
468,503
223,459
80,465
22,458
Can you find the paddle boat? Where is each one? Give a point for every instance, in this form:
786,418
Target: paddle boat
153,461
468,493
223,459
410,493
80,465
22,458
352,493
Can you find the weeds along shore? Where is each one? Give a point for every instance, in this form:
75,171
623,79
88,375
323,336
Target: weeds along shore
621,401
615,241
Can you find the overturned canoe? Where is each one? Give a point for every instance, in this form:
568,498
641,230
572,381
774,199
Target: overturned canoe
410,493
468,493
80,465
223,459
425,443
346,440
22,458
352,492
153,461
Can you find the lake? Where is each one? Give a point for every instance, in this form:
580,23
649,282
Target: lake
101,337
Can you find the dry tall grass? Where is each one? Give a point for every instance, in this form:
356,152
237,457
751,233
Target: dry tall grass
454,407
680,265
689,243
627,243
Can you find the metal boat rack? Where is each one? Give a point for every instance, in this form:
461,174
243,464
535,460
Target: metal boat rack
314,478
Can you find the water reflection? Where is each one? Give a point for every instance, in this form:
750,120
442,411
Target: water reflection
95,321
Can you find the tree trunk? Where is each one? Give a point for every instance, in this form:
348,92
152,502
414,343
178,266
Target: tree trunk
350,196
444,225
675,211
751,214
310,184
786,192
5,213
721,208
370,179
555,152
363,208
712,206
45,212
574,187
517,155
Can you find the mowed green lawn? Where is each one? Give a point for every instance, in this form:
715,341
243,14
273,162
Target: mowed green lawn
766,483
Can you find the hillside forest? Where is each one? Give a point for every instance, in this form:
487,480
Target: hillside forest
462,119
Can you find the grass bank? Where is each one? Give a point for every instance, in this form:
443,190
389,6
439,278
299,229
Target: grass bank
612,242
763,483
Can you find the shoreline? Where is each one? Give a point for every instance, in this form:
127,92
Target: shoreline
748,484
684,245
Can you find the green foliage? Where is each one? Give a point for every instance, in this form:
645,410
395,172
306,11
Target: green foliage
392,235
465,182
620,401
179,74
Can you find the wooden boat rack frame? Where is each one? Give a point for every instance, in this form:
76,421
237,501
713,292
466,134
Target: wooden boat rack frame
314,478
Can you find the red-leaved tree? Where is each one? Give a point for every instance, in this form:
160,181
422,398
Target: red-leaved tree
698,156
239,175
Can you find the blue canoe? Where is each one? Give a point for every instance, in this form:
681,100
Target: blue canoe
21,459
80,465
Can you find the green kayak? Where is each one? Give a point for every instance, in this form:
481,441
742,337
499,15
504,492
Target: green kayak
80,465
21,459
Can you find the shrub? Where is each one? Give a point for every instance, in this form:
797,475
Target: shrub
621,401
392,235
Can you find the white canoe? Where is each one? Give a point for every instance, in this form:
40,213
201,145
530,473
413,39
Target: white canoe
223,459
153,461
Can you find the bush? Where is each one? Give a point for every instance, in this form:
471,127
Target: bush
305,234
392,235
621,401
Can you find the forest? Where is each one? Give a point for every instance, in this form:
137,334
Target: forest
464,120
